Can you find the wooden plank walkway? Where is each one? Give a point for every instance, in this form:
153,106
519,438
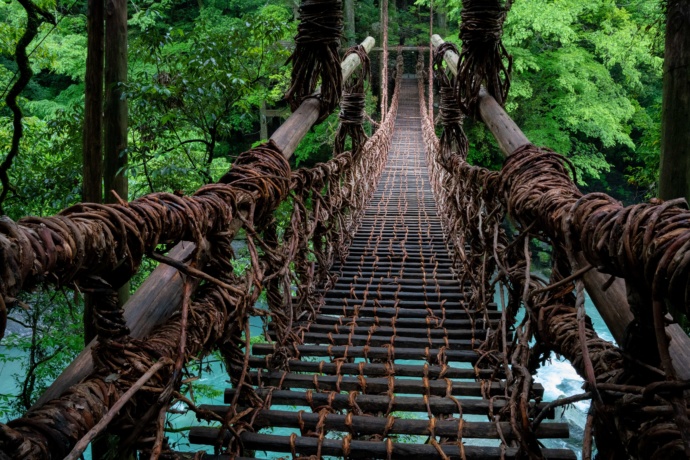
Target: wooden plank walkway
389,356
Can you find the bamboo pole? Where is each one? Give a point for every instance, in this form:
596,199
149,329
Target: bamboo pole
612,303
161,294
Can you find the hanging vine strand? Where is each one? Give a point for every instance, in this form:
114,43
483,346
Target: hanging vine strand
484,60
316,55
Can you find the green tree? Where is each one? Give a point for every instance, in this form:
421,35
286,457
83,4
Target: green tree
586,79
200,90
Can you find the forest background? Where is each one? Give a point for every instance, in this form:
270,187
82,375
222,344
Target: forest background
586,82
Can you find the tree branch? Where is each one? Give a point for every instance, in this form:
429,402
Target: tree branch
35,17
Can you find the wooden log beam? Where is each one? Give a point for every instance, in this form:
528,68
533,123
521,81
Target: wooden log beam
612,303
509,136
161,294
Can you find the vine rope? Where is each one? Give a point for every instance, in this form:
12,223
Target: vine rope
316,56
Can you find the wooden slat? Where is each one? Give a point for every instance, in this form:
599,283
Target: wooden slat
378,450
364,425
403,322
392,295
375,369
386,331
452,311
429,355
380,385
375,341
379,403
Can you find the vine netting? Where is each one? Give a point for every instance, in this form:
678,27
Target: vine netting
327,202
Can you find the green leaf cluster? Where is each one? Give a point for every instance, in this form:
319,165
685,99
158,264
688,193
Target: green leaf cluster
586,82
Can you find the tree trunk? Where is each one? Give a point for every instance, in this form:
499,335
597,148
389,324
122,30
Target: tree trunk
115,146
115,119
350,32
115,106
92,141
674,177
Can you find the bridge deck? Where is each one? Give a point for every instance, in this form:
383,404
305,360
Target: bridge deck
386,368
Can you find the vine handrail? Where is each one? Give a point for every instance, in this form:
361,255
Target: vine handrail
647,245
613,305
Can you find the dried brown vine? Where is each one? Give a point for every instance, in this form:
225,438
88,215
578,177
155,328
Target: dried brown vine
316,55
216,315
484,61
352,107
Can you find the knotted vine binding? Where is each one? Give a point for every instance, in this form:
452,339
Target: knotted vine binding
316,55
352,106
453,140
484,60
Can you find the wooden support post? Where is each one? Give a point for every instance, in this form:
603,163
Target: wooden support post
262,120
611,303
161,294
430,109
384,60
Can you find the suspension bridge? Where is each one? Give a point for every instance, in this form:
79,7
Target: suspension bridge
401,300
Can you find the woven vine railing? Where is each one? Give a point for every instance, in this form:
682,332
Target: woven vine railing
99,247
536,191
62,248
472,219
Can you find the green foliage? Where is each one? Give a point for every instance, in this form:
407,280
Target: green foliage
586,82
47,176
51,338
577,69
198,91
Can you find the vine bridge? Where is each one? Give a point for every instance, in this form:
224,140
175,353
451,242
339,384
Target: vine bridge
403,315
